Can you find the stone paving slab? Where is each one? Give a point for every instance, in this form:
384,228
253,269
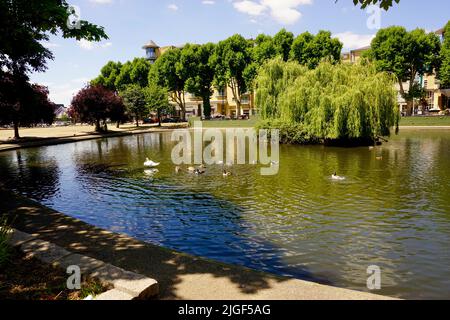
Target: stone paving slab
86,264
43,250
115,295
136,285
17,238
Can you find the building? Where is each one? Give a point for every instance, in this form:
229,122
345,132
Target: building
222,100
61,112
437,99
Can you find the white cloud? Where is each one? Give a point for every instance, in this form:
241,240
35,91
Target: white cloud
283,11
50,45
172,7
88,45
208,2
249,7
353,40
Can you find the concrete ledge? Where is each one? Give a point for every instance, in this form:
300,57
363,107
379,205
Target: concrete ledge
136,285
127,285
115,295
44,251
86,264
17,238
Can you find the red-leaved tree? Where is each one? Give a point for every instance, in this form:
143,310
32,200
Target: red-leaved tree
95,104
24,104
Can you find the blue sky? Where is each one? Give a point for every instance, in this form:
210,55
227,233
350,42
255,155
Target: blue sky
131,23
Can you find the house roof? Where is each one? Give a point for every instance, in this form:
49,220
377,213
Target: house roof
361,49
150,44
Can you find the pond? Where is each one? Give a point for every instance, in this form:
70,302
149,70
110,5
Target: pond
393,209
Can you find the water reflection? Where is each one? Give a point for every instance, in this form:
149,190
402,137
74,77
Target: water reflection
392,210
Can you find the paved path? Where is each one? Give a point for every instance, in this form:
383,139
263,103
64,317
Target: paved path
180,276
36,137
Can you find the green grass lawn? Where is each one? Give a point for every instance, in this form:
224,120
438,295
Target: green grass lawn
226,123
416,121
425,121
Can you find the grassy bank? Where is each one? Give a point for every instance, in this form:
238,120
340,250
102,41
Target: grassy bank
425,121
225,123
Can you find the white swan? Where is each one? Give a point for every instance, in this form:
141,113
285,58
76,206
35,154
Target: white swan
151,172
336,177
150,163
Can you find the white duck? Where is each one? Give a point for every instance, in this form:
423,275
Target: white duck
150,163
151,172
336,177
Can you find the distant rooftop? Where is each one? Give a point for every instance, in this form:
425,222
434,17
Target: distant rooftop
150,44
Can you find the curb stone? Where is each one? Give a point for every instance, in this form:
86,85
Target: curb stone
127,285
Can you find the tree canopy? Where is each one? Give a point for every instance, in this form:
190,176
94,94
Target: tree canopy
406,55
444,73
108,75
95,104
231,58
332,102
309,50
26,25
199,72
135,101
157,99
384,4
24,104
168,73
282,42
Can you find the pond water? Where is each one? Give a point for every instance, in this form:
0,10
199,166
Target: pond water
393,209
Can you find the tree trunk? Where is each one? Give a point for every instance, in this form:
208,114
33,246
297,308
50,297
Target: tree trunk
137,121
97,126
118,125
16,130
159,118
207,107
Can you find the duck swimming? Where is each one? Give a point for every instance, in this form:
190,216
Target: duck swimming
226,173
336,177
150,163
199,172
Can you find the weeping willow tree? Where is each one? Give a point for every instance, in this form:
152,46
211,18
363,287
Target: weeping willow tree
344,102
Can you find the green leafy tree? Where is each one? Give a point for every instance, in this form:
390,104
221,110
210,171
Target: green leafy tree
231,58
384,4
342,102
264,49
135,101
310,50
406,55
157,100
108,75
26,25
166,73
444,73
133,72
199,72
283,42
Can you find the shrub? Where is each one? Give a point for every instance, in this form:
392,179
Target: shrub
5,248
